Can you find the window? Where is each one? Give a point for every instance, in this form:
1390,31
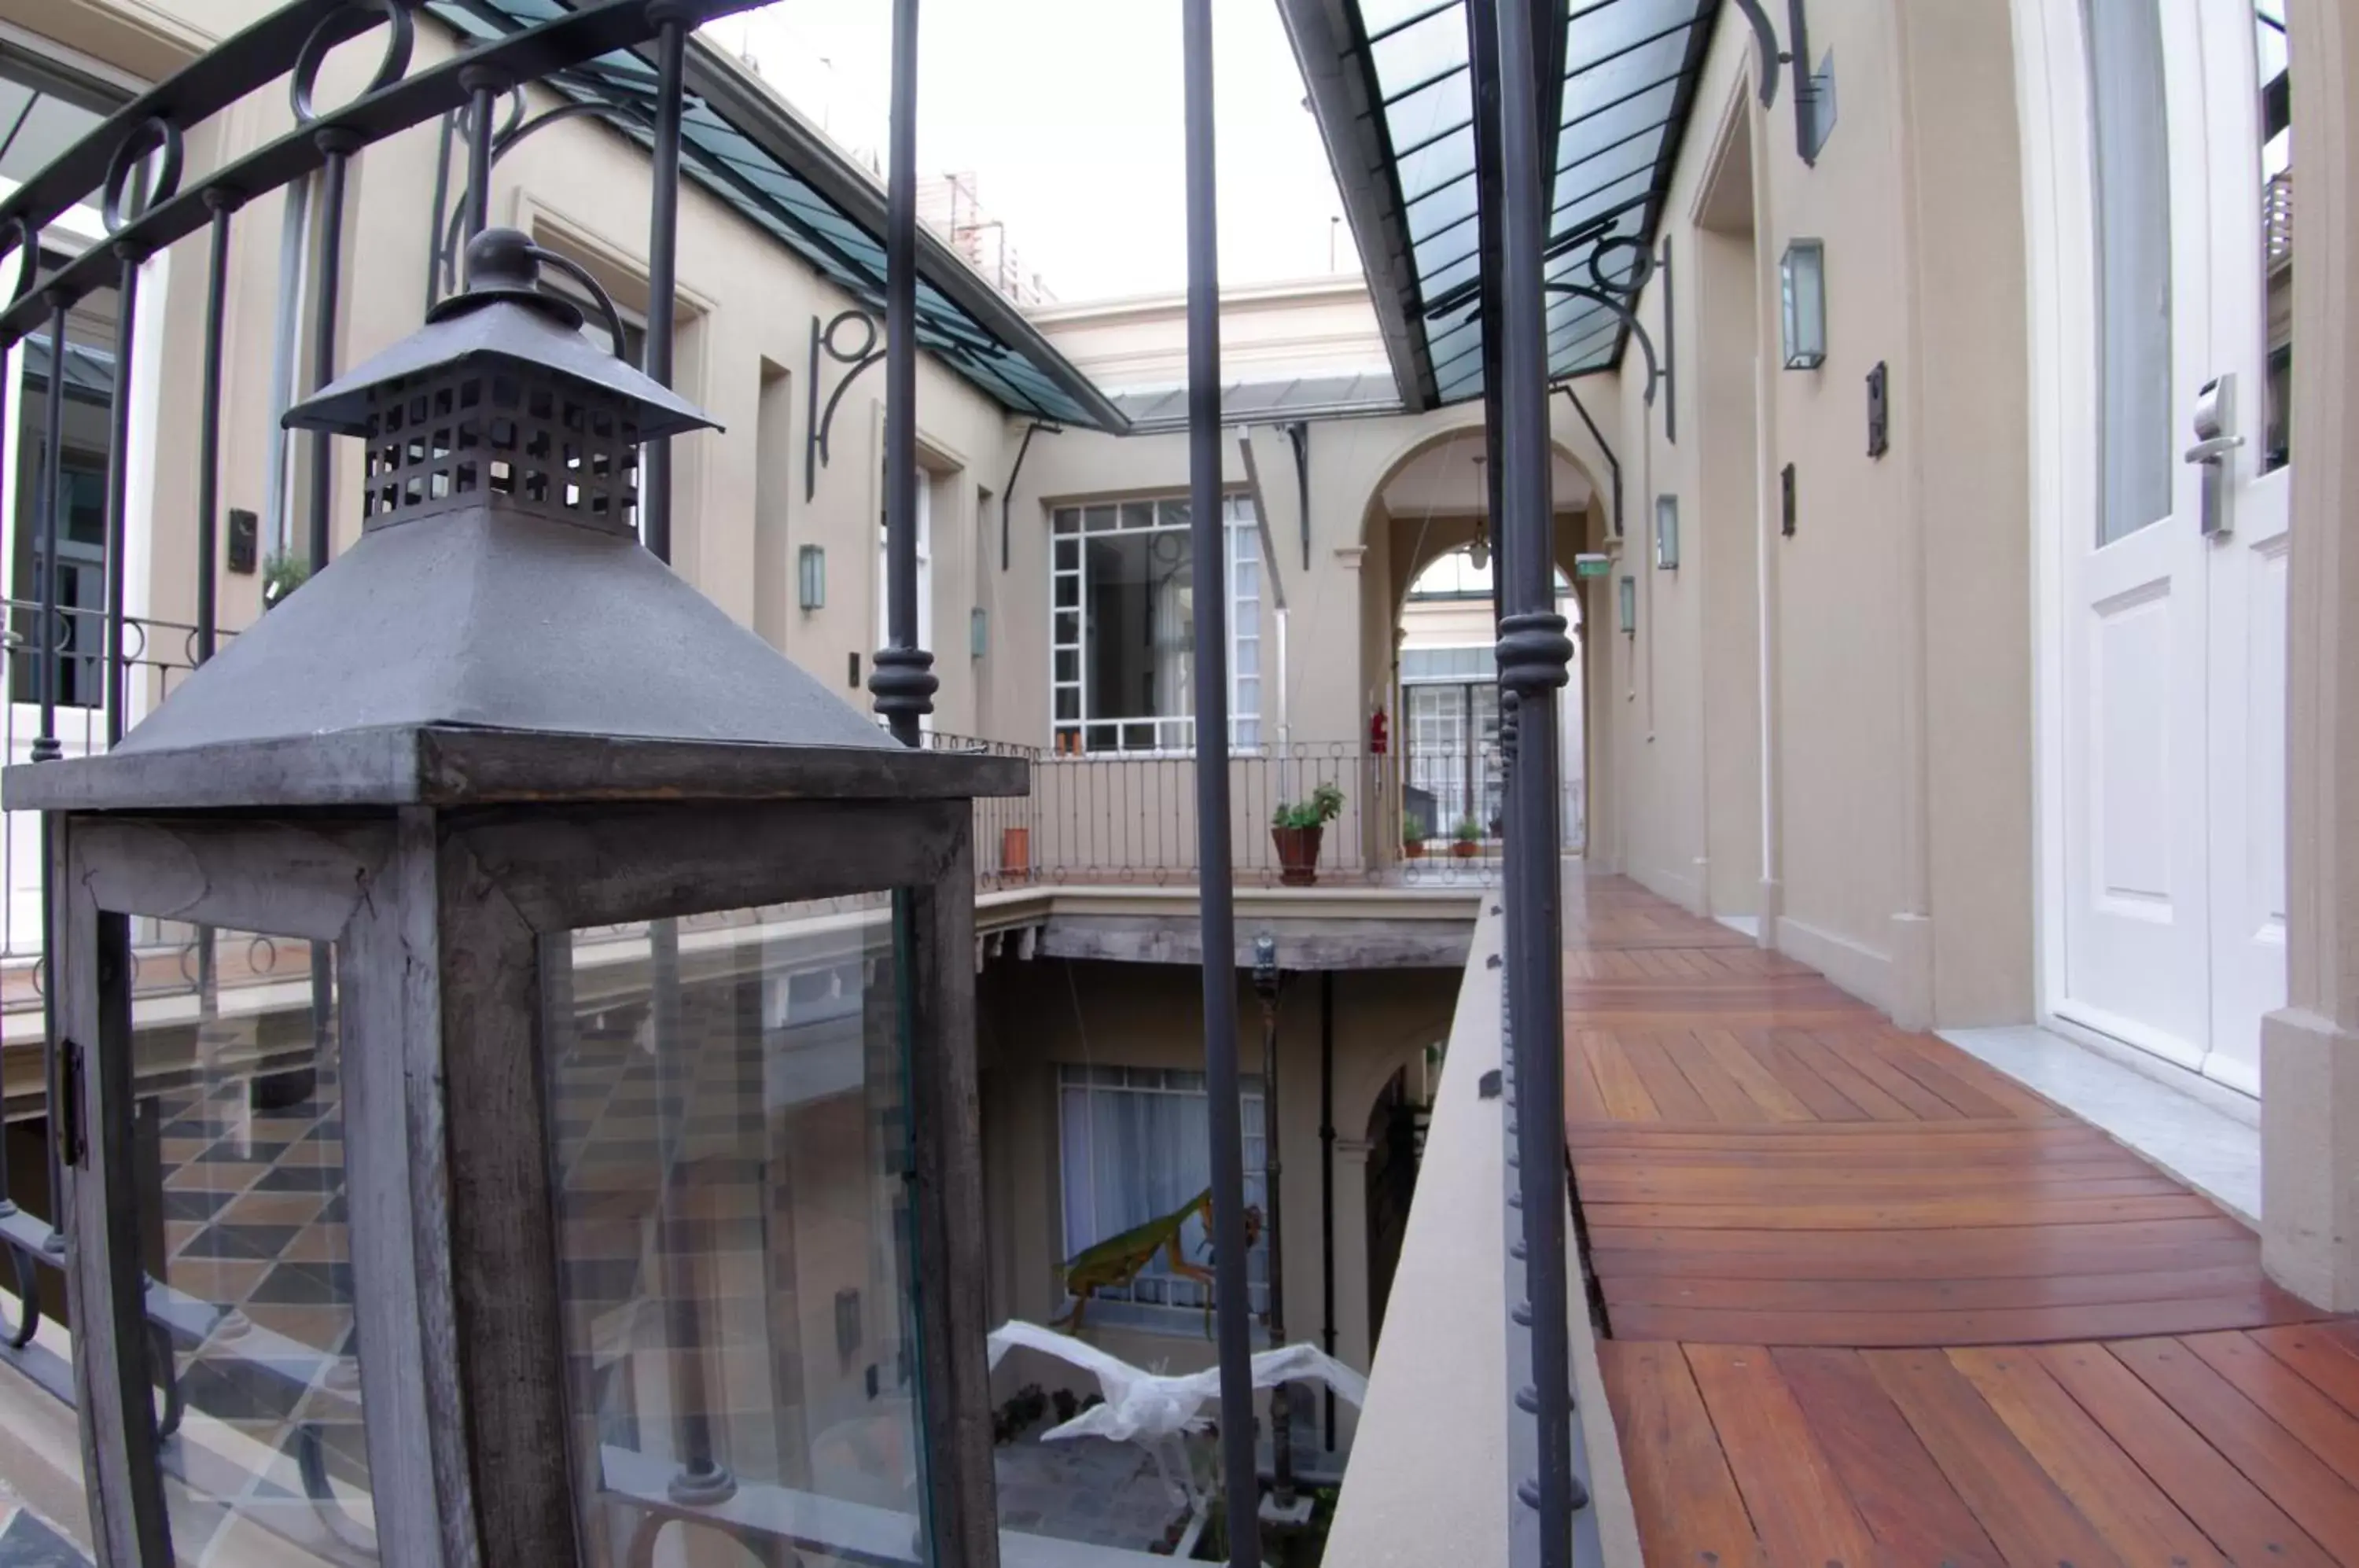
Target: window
1133,1150
1123,602
2132,224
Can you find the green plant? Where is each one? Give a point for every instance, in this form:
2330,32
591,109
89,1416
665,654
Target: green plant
281,575
1468,831
1324,805
1413,831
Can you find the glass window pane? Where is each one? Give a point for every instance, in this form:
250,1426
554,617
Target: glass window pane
730,1136
2276,232
1068,520
1140,601
241,1119
2132,224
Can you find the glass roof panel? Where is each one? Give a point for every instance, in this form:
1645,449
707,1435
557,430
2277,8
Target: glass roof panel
1419,50
739,170
1443,159
1427,110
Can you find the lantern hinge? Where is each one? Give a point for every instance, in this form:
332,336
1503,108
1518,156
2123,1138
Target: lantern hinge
70,1139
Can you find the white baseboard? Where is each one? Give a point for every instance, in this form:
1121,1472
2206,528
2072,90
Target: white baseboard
1678,888
1857,968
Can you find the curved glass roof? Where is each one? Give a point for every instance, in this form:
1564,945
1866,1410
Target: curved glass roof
737,151
1629,71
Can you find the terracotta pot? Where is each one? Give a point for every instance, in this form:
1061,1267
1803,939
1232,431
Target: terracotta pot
1413,849
1298,855
1014,851
1465,848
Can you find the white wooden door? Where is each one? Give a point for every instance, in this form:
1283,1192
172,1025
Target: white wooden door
2249,145
2173,644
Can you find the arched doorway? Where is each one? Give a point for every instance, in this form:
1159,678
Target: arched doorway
1427,521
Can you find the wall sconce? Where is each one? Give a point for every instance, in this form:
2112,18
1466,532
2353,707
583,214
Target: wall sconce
810,577
1802,290
1629,606
978,631
1666,533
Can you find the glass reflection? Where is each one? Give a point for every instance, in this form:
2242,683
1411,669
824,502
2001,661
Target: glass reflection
240,1130
726,1105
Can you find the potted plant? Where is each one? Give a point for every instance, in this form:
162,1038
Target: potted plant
1466,839
1413,839
1297,826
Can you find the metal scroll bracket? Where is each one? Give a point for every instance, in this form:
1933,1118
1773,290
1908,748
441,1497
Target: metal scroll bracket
818,422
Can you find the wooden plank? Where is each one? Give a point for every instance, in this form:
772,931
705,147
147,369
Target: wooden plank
1618,1081
1901,1213
1758,1083
1906,1503
1790,1487
1583,1100
1976,1252
2028,1517
2128,1509
1675,1098
1936,1077
1959,1078
1949,1137
1804,1188
1847,1044
1846,1080
2329,1364
2028,1326
2211,1491
1722,1093
2325,1428
2274,1459
1689,1509
1887,1294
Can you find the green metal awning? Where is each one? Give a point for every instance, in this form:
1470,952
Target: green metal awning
740,143
1391,84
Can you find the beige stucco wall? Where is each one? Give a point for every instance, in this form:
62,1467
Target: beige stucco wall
1898,636
1035,1015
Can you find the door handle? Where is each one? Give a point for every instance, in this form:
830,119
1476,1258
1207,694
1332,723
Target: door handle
2215,445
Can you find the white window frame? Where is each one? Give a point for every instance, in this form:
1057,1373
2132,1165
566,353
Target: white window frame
1072,731
1156,1300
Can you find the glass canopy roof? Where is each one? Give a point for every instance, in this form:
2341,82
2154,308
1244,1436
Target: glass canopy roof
725,155
1630,68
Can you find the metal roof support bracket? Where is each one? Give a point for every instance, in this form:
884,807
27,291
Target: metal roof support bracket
1015,471
1765,40
1612,463
818,422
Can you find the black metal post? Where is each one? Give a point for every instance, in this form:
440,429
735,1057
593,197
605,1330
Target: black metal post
1266,982
208,416
902,678
482,86
1215,880
118,483
45,749
1533,654
1327,1180
441,199
663,268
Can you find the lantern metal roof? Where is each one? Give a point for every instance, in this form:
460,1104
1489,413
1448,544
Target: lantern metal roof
478,652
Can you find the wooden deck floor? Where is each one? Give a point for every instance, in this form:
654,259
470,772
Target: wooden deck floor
1869,1301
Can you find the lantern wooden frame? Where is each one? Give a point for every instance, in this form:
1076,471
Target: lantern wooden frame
437,903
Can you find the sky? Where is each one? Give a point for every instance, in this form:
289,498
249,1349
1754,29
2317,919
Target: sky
1069,113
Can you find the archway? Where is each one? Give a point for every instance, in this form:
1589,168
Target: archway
1429,538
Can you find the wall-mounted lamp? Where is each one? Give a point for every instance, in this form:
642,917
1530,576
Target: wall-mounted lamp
1629,606
1802,291
1479,552
1666,533
810,577
978,631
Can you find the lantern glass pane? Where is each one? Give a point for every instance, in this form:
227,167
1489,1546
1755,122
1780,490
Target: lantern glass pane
244,1101
1802,286
730,1132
